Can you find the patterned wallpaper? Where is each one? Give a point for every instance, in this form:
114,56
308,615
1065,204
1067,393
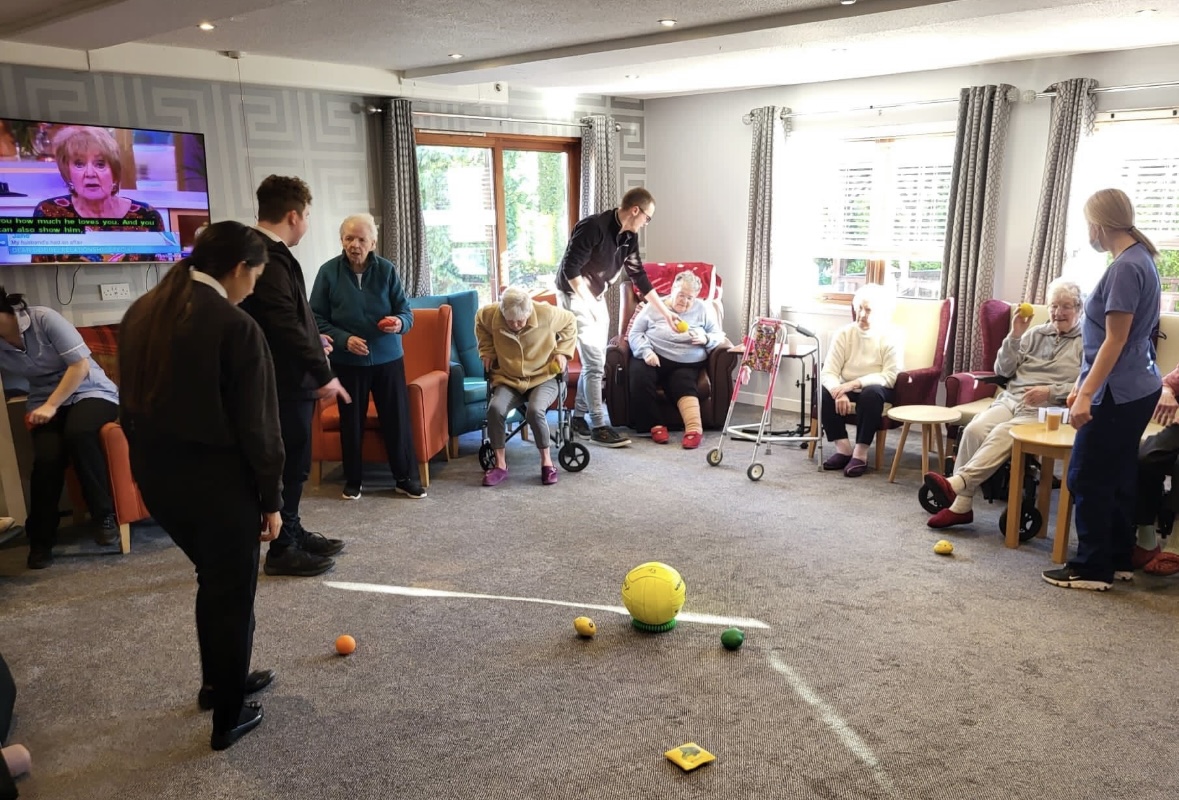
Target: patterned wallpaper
251,132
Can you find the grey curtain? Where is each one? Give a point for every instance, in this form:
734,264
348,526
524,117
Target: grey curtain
403,229
968,265
599,181
755,302
1074,110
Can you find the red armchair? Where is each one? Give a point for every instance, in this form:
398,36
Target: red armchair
427,375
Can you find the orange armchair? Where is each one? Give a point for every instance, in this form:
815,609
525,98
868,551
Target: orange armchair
427,376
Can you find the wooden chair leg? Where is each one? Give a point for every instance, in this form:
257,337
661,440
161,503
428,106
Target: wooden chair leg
125,538
424,473
316,472
896,459
814,431
881,435
454,448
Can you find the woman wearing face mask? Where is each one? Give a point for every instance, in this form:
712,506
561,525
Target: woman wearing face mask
861,368
672,359
1114,397
200,410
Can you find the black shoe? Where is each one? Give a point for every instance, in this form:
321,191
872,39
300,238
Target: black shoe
580,427
410,487
256,681
250,717
352,491
608,437
297,562
40,557
108,531
317,544
1069,579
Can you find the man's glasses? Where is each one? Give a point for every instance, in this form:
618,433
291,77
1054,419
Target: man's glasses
645,214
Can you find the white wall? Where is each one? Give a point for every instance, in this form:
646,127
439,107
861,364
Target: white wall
698,151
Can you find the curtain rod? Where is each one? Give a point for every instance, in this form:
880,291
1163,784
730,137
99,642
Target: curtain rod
1013,96
579,124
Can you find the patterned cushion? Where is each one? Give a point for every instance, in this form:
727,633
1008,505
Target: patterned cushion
103,341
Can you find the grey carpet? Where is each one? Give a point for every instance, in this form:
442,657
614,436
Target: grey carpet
886,671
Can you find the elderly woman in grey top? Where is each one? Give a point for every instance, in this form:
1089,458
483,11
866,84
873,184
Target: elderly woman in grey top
1042,363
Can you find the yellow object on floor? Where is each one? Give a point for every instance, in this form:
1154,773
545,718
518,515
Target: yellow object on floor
689,756
943,547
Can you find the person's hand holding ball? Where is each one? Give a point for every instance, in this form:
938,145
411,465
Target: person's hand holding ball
681,326
390,324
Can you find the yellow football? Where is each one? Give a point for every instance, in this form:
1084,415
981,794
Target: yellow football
943,547
585,627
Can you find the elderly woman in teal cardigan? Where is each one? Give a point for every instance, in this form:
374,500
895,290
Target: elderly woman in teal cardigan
358,302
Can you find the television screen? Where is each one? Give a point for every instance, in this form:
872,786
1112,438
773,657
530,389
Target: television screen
92,193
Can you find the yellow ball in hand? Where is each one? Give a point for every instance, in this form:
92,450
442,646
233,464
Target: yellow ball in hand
943,547
1026,311
585,627
555,367
681,326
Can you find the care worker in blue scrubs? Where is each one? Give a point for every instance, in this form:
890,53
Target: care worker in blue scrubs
1114,397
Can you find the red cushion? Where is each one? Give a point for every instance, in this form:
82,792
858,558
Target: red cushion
663,274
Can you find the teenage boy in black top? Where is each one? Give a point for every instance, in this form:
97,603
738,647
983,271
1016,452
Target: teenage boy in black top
600,248
279,304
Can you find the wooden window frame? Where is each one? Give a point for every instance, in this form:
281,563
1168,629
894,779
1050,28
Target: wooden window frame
497,143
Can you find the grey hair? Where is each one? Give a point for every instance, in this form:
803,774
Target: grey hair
515,304
689,281
1065,286
878,297
360,219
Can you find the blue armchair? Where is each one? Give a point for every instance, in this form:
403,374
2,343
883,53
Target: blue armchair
467,390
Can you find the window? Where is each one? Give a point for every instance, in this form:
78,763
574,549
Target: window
497,209
1140,157
850,211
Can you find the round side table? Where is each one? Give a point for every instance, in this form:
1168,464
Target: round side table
1035,439
931,419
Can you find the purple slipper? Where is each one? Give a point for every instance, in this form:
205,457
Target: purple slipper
495,476
855,468
836,461
548,475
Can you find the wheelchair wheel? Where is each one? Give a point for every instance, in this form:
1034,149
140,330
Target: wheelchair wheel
1030,522
714,457
929,500
486,456
573,456
755,471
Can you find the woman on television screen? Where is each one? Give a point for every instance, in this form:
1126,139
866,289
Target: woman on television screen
91,166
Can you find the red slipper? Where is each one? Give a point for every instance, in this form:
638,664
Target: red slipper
1140,556
659,434
948,519
1163,564
692,440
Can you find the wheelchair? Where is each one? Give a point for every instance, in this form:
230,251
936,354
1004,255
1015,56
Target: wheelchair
996,487
573,456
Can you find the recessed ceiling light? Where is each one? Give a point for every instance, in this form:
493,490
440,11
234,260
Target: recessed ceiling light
667,23
206,26
631,77
847,2
456,56
1148,12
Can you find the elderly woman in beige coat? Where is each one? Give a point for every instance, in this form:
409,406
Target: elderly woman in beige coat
524,347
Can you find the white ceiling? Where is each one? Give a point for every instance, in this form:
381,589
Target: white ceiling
618,48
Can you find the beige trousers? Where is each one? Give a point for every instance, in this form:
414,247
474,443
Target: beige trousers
984,445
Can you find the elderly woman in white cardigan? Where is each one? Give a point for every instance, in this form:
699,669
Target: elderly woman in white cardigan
861,369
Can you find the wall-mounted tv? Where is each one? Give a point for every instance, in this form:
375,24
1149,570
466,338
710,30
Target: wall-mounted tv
93,193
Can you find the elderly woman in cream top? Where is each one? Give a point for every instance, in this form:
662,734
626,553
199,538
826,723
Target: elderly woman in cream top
861,369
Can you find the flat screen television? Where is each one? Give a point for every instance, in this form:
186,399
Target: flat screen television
93,193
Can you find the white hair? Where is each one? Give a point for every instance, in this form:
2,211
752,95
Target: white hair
1063,286
515,304
687,280
360,219
880,300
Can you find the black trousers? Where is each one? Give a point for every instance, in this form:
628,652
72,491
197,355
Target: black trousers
72,436
677,379
294,419
1156,460
869,412
208,503
386,384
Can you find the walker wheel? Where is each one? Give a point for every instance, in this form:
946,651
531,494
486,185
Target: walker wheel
714,457
929,501
755,471
1029,523
573,456
486,456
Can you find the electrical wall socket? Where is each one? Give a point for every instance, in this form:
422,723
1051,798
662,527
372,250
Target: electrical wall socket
115,291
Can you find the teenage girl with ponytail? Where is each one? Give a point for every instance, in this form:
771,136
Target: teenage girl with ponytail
70,399
200,410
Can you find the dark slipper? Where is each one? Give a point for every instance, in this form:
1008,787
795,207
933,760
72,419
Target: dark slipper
940,488
836,461
855,468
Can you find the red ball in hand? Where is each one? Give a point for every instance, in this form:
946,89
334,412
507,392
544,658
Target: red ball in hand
386,325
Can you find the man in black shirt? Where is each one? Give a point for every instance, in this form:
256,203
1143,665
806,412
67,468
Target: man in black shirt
279,304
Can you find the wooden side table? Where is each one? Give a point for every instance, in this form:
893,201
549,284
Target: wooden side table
1035,439
931,419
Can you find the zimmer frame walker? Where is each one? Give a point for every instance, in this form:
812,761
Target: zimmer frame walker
763,347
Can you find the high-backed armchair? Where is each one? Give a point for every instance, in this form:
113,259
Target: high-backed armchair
466,404
715,384
427,374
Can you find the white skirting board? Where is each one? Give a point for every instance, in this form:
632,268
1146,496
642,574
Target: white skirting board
758,399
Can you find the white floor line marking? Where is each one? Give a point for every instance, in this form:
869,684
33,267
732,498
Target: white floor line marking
830,717
414,591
